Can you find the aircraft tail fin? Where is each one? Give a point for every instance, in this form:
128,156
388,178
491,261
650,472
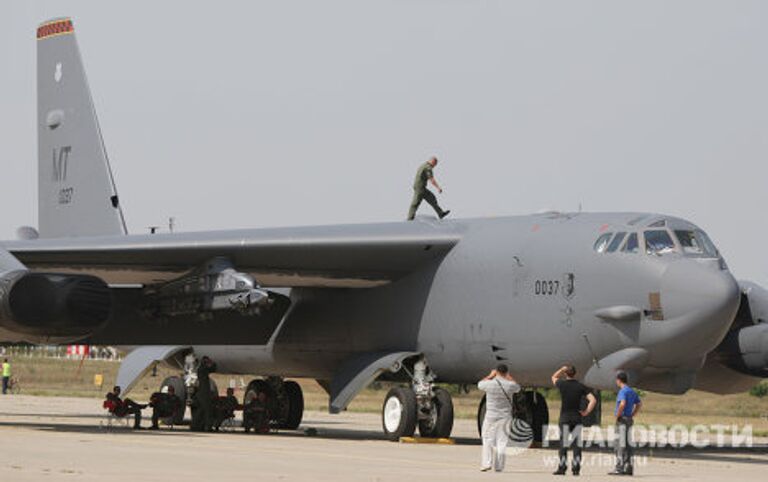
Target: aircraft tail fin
76,191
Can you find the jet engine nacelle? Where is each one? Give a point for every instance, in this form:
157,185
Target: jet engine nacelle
745,347
753,347
46,306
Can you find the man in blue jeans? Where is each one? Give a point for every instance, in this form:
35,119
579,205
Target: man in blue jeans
627,405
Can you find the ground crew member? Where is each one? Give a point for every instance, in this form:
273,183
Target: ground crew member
122,408
499,387
627,405
164,405
6,375
256,414
572,392
224,408
421,193
202,416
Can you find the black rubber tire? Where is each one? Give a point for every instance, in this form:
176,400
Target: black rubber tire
540,417
531,407
256,386
444,424
181,391
295,409
480,416
259,385
407,424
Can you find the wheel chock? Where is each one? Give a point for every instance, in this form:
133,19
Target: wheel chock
427,440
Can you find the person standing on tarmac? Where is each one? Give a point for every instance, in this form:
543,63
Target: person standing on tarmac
421,193
499,387
572,392
627,405
202,417
6,375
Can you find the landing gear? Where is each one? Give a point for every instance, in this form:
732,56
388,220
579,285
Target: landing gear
531,417
398,417
285,401
293,406
439,424
422,405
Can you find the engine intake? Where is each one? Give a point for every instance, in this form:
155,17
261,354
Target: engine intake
50,305
745,347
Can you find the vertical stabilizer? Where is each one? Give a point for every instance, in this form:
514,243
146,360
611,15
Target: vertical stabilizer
76,191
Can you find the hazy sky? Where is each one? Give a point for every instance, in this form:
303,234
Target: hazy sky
245,114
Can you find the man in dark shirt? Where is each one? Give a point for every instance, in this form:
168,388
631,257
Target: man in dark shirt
572,392
421,193
164,405
224,408
122,408
202,416
256,414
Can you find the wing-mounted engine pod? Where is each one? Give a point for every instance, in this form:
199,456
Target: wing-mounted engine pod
50,304
745,347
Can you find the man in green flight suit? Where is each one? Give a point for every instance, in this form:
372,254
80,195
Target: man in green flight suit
421,193
202,401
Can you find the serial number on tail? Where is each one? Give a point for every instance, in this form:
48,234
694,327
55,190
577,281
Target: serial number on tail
66,194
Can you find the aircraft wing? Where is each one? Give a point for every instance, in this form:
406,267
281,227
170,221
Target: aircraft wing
352,256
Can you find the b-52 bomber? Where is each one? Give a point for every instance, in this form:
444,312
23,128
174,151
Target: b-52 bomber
424,303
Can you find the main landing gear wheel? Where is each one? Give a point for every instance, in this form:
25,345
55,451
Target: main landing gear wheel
293,409
398,415
440,421
257,386
181,391
530,408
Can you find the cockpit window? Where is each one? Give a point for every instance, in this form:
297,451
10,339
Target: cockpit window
689,243
616,242
658,242
709,246
631,246
696,243
602,242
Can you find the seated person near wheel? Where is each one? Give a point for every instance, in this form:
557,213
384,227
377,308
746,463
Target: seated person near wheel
121,408
256,414
224,408
164,405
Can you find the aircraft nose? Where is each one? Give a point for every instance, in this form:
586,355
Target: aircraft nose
702,293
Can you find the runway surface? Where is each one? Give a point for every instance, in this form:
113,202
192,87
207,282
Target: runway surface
65,439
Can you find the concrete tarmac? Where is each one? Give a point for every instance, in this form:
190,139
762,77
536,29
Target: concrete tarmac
45,438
